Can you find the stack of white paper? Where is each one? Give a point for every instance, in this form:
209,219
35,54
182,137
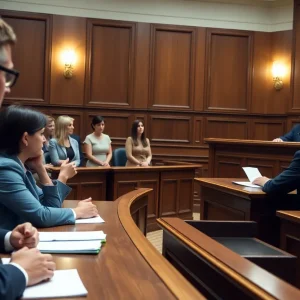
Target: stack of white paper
71,242
91,247
95,220
64,283
72,236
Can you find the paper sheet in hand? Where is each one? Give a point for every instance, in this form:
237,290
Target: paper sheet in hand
90,220
252,173
246,183
64,283
5,260
72,236
91,247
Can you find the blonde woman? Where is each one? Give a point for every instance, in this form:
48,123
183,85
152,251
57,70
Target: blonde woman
63,147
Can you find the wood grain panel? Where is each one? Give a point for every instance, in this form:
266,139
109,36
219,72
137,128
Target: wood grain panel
266,129
228,69
168,191
185,186
198,130
117,125
163,129
94,190
226,128
172,67
68,33
296,57
142,65
291,122
227,166
31,56
200,69
110,65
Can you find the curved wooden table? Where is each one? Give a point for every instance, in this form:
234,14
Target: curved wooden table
128,266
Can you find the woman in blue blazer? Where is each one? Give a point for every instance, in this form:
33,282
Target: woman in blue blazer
63,146
21,200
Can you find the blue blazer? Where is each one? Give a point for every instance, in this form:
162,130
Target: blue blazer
286,181
21,200
58,152
293,135
12,280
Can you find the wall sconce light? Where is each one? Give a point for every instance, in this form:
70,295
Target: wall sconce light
278,71
68,58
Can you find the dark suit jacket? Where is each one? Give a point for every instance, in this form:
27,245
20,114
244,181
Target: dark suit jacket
293,135
286,181
12,280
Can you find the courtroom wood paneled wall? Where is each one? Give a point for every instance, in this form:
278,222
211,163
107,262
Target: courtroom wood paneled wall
186,83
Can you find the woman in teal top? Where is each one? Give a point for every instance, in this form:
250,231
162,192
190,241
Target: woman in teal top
97,145
21,200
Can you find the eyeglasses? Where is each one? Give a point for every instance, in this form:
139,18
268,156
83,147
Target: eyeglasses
11,76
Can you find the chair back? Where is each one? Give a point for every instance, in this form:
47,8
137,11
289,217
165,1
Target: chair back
119,157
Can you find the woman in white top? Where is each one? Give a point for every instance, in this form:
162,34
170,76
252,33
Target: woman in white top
97,145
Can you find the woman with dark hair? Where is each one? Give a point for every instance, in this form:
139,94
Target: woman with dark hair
21,200
137,146
97,145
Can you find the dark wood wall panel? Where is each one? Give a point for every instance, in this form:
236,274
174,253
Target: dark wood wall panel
142,65
266,130
226,128
295,105
163,129
68,33
111,63
30,56
172,67
228,71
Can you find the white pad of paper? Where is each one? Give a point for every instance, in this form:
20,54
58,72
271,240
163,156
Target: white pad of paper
247,183
64,283
90,220
72,236
70,247
252,173
5,260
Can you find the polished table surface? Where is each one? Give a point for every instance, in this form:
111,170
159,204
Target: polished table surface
290,215
128,266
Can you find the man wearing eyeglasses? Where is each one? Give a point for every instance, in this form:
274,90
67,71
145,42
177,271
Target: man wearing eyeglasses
27,266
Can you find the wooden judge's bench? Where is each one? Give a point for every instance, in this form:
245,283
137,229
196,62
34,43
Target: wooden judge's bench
228,156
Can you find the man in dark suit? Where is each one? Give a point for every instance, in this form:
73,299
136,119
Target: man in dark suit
291,136
285,182
27,266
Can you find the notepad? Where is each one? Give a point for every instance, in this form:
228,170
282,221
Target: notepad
97,220
72,247
64,283
72,236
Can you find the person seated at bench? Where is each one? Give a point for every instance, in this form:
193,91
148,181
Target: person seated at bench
21,200
48,134
97,145
137,146
63,146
